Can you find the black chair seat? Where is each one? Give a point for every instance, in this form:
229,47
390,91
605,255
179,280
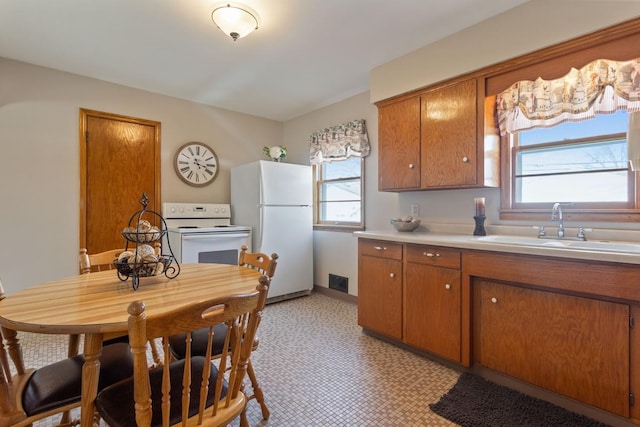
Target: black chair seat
60,383
199,340
116,403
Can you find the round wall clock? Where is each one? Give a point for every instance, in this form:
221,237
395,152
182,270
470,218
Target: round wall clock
196,164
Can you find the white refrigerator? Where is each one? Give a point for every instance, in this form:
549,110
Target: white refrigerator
276,200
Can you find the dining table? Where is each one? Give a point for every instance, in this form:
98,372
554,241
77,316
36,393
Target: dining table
95,305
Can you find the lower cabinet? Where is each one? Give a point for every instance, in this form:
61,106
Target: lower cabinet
563,325
432,307
574,346
380,287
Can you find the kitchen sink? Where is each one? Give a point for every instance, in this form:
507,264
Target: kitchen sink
589,245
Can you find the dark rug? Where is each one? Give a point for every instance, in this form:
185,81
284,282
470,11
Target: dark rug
476,402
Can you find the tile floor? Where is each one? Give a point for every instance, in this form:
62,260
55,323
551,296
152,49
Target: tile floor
317,368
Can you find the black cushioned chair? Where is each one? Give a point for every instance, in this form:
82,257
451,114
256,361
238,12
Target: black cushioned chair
191,391
34,394
57,388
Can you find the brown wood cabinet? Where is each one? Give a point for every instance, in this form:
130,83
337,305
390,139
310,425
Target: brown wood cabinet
435,140
449,136
380,287
562,325
432,300
399,145
578,347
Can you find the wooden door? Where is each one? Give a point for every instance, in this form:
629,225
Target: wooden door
399,145
578,347
432,309
119,160
449,136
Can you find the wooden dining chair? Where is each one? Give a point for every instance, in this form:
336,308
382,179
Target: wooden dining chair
265,265
100,262
4,357
193,390
29,395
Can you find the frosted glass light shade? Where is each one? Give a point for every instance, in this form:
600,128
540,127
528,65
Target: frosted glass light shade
235,20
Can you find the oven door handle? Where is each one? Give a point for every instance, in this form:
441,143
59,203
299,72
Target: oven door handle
209,236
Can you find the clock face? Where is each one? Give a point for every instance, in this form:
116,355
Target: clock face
196,164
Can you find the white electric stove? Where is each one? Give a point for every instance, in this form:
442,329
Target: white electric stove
202,232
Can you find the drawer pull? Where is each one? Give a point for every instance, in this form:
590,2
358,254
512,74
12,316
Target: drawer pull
447,286
411,166
379,248
465,159
430,254
494,300
392,275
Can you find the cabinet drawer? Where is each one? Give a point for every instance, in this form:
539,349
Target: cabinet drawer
380,248
433,255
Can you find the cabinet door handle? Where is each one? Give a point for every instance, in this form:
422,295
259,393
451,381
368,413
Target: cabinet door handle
430,254
494,300
447,286
379,248
392,275
465,159
411,166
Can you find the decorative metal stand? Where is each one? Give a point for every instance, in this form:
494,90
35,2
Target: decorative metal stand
479,230
139,262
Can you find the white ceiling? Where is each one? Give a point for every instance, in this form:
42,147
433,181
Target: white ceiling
306,54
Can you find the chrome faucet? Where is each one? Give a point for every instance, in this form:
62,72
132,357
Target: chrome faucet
557,211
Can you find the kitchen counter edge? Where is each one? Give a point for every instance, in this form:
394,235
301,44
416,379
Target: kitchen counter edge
472,242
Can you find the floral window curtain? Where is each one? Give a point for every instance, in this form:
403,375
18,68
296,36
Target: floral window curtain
339,142
602,86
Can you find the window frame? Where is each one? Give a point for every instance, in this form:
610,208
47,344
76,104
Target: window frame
511,210
620,42
318,223
577,142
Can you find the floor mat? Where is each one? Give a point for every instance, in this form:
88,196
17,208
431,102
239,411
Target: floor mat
476,402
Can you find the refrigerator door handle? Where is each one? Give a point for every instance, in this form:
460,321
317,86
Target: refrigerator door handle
260,226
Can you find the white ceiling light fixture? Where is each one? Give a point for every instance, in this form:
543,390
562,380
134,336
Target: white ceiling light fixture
235,20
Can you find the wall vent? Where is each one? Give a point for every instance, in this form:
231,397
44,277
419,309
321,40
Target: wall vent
339,283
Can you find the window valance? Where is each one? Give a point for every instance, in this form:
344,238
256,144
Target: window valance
602,86
339,142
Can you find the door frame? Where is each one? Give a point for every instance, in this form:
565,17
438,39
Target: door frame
82,138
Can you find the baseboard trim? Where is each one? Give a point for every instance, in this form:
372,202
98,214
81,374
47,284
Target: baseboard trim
335,294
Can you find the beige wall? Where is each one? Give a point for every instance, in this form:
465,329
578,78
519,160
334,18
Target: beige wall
39,169
39,159
523,29
536,24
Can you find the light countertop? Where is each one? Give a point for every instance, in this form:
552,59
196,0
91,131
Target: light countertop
627,252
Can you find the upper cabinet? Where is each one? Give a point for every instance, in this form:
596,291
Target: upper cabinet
399,145
436,140
449,136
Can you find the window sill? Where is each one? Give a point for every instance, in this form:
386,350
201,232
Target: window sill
584,215
339,228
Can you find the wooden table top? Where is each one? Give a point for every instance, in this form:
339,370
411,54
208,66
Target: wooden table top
97,302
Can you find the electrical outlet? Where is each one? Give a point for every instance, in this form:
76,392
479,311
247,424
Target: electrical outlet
415,211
